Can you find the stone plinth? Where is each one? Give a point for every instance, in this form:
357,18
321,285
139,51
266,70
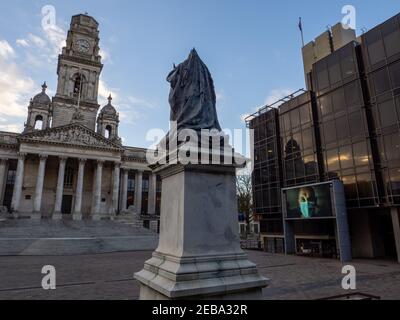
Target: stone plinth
199,254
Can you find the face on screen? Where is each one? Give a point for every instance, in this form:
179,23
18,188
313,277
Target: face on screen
307,202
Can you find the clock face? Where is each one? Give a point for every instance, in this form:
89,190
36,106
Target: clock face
83,45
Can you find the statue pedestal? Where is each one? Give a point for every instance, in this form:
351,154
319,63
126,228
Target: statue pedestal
199,254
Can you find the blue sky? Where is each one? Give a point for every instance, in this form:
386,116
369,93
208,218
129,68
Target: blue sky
252,49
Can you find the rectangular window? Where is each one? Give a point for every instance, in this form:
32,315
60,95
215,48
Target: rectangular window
346,157
334,68
11,177
395,181
374,43
289,169
347,61
299,168
352,94
308,139
356,124
297,143
391,37
381,81
295,118
332,160
131,184
387,113
305,116
392,146
394,71
338,101
68,177
145,185
329,131
360,151
364,185
342,128
325,105
286,121
350,187
322,76
310,165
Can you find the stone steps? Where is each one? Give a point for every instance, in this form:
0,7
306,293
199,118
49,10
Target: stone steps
41,237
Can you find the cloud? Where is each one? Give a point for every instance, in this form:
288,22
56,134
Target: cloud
220,96
277,94
16,127
15,86
36,40
140,102
6,51
22,43
105,91
244,116
56,37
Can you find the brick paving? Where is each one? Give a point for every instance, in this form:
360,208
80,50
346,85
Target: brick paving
110,276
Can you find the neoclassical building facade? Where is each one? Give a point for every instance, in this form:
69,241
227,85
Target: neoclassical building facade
69,161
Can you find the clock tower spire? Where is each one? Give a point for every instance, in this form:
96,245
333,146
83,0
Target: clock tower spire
79,68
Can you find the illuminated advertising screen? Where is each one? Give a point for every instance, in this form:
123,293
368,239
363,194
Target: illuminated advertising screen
306,202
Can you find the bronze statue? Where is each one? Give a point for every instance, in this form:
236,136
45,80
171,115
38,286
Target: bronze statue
192,97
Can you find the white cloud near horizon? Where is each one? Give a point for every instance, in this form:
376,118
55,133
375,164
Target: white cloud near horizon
15,89
273,96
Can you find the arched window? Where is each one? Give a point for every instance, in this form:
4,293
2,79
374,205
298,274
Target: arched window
108,132
69,177
38,122
78,85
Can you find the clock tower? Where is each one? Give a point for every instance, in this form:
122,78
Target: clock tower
79,68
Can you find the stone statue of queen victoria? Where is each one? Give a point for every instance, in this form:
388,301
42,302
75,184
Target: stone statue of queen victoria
192,97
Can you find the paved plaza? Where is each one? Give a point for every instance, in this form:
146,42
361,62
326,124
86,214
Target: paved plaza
110,276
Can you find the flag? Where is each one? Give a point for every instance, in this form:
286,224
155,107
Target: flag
300,25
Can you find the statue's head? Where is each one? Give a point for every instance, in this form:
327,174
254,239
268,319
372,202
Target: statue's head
192,97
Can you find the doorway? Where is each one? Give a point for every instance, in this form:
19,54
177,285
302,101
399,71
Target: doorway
66,207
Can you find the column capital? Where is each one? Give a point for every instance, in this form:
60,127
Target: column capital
21,155
100,162
82,160
117,164
3,161
43,156
63,158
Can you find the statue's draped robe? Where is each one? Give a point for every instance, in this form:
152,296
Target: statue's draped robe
192,97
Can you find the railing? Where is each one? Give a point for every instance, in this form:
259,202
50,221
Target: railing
250,244
8,138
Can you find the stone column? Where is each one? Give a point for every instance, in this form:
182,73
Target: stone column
97,191
19,180
152,194
77,215
3,177
114,206
37,202
124,190
138,192
396,230
57,214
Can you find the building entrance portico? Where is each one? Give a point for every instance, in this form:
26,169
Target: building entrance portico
65,182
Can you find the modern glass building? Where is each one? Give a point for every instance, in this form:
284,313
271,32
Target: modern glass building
345,126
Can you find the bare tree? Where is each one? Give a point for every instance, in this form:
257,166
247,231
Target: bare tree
245,196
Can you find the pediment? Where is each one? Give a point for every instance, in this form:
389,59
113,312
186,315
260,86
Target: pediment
73,135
